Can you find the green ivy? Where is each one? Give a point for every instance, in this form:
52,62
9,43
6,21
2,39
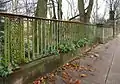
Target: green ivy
66,47
63,47
72,46
52,50
82,42
5,69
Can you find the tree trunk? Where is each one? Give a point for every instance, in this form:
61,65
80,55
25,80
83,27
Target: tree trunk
59,9
41,10
81,10
85,13
89,10
54,13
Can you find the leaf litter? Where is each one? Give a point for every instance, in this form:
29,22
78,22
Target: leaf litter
66,73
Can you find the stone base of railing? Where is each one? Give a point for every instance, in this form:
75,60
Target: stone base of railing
31,71
105,40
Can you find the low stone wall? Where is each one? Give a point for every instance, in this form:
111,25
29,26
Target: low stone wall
31,71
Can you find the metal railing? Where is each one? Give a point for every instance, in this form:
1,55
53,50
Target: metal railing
29,38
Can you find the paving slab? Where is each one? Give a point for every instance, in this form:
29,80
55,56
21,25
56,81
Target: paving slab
114,72
107,66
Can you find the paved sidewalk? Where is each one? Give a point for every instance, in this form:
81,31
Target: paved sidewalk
107,64
99,66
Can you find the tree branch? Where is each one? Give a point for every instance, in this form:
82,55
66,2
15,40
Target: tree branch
74,17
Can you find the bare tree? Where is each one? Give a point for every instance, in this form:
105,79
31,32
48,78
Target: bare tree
41,10
59,2
54,12
85,13
113,7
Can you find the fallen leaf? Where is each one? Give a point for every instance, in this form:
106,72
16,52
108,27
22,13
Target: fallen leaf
65,75
96,55
83,75
36,82
67,64
91,70
77,82
45,77
91,56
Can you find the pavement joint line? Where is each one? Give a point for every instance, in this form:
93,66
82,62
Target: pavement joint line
109,68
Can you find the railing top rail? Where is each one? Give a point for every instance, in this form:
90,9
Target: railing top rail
31,17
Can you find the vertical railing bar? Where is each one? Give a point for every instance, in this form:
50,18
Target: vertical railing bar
79,31
43,36
41,28
40,33
65,32
48,43
57,34
8,40
94,32
67,26
28,40
70,33
38,49
22,36
20,42
74,26
33,39
53,34
50,34
87,33
75,32
5,39
15,39
20,31
52,40
11,57
45,46
58,30
39,36
47,36
62,32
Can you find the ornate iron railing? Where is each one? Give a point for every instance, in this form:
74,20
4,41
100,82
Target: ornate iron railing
29,38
